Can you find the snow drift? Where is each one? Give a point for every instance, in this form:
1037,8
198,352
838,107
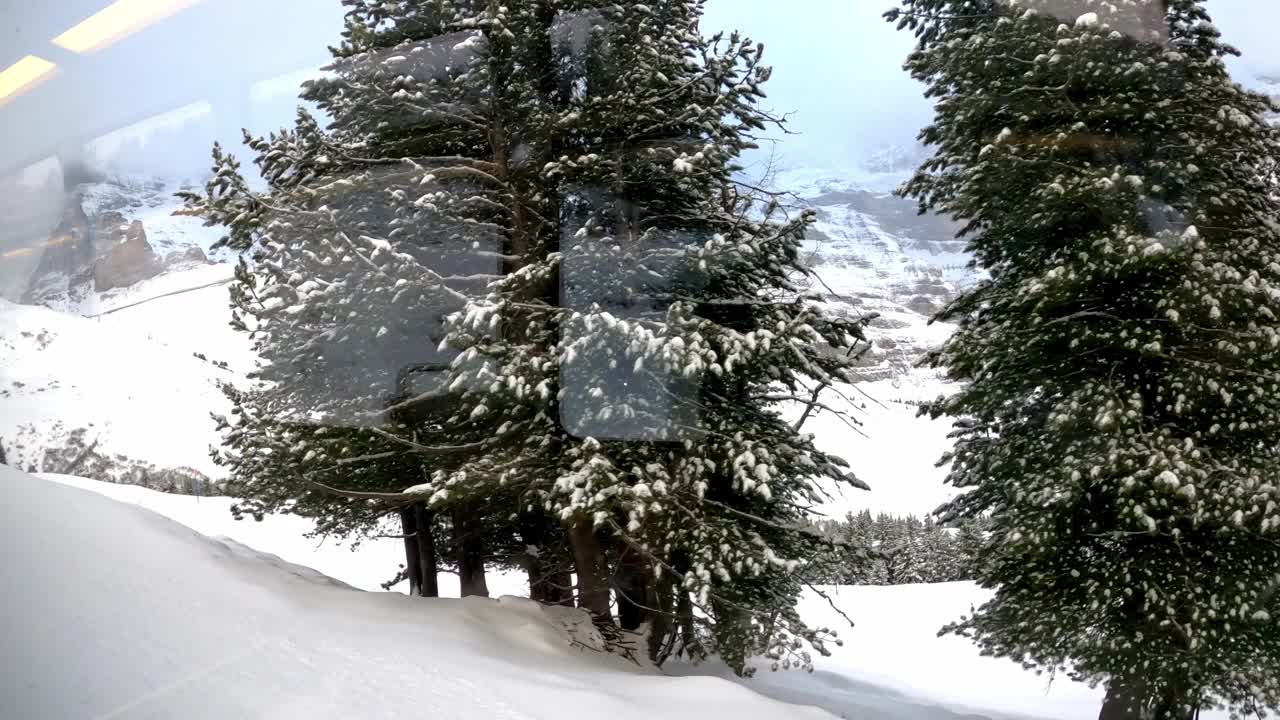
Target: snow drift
114,612
122,603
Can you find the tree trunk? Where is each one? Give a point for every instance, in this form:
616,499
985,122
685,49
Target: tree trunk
1124,701
539,563
690,646
591,566
631,586
1178,703
412,560
428,564
550,581
661,623
468,540
560,589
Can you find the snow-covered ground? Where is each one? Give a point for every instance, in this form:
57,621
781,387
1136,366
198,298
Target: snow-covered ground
112,611
130,377
252,608
889,447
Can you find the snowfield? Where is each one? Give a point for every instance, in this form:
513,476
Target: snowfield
130,377
118,611
890,448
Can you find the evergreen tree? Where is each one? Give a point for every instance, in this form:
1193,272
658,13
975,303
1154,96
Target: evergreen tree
535,203
1120,406
937,557
969,541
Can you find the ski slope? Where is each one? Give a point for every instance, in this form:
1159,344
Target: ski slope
271,590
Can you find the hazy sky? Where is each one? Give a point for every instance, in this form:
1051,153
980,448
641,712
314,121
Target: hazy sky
837,72
837,66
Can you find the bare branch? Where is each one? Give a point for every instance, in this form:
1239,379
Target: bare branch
432,449
392,498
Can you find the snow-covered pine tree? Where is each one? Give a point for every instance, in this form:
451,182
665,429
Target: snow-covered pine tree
346,280
936,555
618,365
969,541
1121,365
648,337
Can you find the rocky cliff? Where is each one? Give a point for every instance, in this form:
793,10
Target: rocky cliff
112,234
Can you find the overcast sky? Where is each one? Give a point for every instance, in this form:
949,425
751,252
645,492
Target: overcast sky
837,66
837,73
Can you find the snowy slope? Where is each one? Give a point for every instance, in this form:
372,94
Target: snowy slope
116,612
889,448
892,665
874,255
130,377
365,567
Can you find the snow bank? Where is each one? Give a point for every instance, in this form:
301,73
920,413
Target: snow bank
113,611
365,567
892,666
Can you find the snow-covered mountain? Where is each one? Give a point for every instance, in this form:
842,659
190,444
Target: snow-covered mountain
121,338
112,235
875,254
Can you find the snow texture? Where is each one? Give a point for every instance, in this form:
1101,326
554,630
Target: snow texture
238,603
115,612
131,377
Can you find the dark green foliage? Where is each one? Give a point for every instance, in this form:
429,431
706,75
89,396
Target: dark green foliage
888,550
1121,365
515,279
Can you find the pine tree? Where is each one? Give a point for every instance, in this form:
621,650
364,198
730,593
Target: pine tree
937,557
536,203
969,541
1120,407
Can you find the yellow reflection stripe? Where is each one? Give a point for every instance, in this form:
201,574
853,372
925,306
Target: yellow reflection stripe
51,242
23,75
117,21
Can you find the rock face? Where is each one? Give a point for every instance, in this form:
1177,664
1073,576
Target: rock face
127,261
112,234
84,254
190,256
67,256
